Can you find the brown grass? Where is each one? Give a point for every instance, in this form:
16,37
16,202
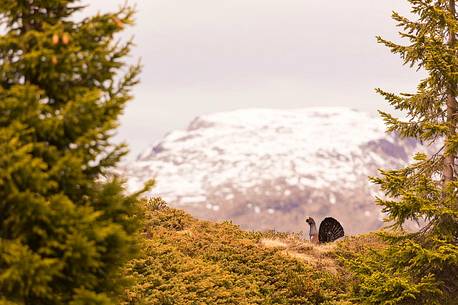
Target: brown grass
319,256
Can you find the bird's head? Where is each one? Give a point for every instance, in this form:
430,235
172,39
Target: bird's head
309,220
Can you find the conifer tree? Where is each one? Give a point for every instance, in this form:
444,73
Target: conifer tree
421,267
66,224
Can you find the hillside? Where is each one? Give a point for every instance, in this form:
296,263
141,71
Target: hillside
189,261
267,169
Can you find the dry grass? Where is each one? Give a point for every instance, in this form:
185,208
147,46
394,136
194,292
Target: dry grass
273,243
319,256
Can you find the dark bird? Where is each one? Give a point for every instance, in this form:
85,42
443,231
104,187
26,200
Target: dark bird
330,230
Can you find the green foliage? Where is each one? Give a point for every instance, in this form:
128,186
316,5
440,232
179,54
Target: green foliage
186,261
398,273
66,226
419,268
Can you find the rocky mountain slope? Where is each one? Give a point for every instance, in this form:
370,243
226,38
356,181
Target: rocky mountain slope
268,169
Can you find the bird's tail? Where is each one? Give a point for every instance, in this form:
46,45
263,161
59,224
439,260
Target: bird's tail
330,230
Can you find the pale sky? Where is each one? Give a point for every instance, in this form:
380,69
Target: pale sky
204,56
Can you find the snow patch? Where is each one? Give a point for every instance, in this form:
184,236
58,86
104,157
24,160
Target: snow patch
332,198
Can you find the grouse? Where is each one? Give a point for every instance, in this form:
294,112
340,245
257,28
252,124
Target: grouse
330,230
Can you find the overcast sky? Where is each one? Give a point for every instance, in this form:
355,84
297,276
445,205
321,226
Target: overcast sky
204,56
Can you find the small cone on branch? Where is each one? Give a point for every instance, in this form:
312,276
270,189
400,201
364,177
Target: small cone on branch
54,60
55,39
118,22
65,38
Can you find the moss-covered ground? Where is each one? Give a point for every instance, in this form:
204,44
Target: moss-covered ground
188,261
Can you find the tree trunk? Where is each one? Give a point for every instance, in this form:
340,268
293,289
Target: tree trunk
452,114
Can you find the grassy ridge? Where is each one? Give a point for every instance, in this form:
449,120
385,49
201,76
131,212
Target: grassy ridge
188,261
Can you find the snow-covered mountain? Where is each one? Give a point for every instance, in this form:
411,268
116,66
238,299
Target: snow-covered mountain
268,169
